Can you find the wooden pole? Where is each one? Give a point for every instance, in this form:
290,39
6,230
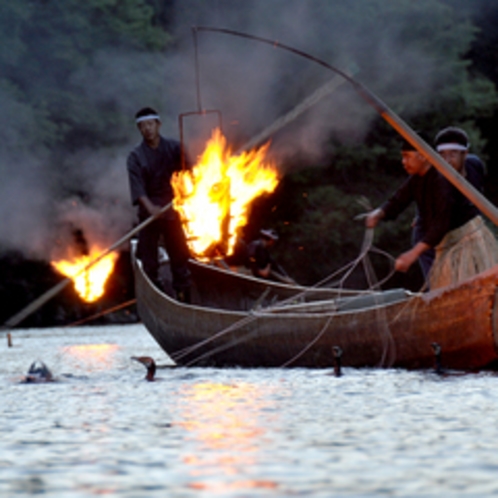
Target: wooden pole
468,190
285,119
39,302
455,178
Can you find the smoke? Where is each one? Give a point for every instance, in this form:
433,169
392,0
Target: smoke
40,214
44,196
99,206
254,83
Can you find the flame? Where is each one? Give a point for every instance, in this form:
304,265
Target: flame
213,198
89,284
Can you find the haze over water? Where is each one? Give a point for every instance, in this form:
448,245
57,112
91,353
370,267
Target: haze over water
101,429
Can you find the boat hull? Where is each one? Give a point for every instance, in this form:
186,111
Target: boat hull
461,319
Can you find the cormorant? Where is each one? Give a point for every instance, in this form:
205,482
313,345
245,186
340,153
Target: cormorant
438,367
337,360
149,364
38,372
437,358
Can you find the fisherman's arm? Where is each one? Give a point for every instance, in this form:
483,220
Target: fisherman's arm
137,186
262,261
396,204
441,196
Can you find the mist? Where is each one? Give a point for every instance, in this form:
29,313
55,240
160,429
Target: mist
46,194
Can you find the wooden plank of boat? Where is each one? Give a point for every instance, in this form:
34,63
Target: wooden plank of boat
462,319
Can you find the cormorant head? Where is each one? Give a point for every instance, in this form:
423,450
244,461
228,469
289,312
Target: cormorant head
149,364
39,372
337,350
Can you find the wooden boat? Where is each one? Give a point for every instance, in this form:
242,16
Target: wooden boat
241,321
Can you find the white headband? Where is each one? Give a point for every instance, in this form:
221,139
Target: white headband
149,116
452,146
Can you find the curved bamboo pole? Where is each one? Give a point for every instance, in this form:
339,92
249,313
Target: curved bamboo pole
483,204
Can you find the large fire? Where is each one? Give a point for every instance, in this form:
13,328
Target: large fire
213,199
89,283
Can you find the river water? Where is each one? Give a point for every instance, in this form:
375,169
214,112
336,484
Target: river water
101,429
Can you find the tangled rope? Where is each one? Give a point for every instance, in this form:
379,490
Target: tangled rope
363,258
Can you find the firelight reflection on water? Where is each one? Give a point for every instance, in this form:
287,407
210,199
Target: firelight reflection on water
93,357
101,429
224,420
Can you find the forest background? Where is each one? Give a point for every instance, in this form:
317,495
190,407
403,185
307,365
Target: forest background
72,75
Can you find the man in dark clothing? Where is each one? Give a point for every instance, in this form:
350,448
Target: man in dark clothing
452,143
151,165
260,261
441,207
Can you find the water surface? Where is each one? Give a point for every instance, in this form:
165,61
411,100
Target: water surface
101,429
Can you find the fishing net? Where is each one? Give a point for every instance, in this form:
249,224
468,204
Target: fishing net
463,253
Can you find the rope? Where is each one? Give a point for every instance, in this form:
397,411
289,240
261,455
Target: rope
309,345
238,324
254,315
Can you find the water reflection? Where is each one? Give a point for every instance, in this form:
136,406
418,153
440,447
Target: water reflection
94,357
224,422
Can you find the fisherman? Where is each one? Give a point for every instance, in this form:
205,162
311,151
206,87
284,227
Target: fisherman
468,165
261,262
471,248
151,165
450,223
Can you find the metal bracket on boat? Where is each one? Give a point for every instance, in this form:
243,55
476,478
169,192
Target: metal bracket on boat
200,112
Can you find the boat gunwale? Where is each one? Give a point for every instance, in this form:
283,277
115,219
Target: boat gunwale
268,312
426,297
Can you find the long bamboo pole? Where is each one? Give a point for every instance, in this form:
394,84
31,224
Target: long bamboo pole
322,92
37,303
467,189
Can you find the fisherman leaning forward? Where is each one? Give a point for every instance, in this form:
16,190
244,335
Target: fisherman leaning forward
449,221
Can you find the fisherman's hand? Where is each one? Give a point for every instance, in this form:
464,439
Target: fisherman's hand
154,210
404,261
373,218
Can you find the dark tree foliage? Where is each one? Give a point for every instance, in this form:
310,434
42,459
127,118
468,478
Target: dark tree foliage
46,43
484,61
455,95
68,69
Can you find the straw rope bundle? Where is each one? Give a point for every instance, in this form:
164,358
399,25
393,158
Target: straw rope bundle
463,253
